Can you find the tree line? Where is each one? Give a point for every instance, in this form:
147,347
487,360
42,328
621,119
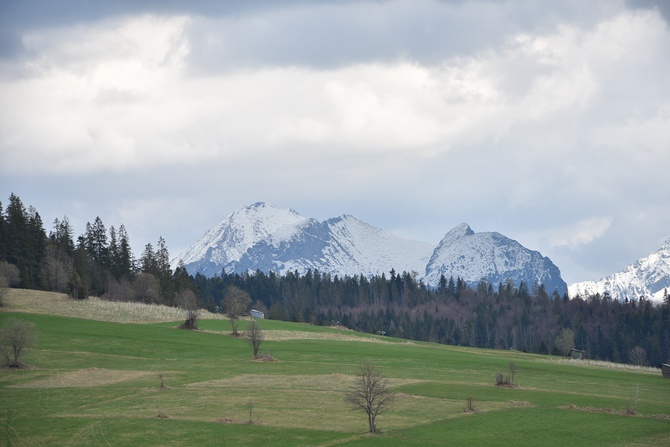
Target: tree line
521,316
100,262
501,316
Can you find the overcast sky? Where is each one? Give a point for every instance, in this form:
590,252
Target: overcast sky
548,122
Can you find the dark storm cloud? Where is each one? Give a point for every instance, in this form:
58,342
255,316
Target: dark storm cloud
326,34
319,34
662,6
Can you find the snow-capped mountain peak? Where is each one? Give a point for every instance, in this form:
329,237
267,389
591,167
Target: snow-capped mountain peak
458,232
264,237
648,277
473,256
229,240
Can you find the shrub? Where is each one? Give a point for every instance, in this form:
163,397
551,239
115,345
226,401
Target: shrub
501,378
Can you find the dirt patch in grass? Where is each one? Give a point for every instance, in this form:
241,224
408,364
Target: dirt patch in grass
86,378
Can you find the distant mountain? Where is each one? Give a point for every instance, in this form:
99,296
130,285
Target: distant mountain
264,237
473,256
648,277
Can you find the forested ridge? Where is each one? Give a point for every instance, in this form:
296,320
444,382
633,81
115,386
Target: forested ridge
100,262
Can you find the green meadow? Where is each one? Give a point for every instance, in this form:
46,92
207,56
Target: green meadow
91,383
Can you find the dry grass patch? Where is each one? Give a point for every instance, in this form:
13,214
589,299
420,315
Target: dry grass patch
324,382
282,335
519,403
86,378
285,335
92,308
610,365
625,412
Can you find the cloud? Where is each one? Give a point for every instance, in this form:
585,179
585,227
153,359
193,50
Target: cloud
120,93
546,123
581,233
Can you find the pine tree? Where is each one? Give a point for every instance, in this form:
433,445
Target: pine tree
125,255
16,232
148,260
442,288
96,242
3,234
62,236
165,272
37,244
113,254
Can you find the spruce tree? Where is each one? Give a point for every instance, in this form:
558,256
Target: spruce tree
16,231
126,262
3,234
113,253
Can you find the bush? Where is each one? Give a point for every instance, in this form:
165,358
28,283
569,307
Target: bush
504,380
501,378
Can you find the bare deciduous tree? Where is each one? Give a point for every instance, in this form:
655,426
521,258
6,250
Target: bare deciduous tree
565,341
57,268
235,303
512,370
370,393
637,356
10,272
15,336
147,288
254,336
119,290
9,276
189,302
3,290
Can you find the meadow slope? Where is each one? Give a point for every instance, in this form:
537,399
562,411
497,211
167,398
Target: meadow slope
95,378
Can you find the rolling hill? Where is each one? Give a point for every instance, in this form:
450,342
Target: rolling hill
99,383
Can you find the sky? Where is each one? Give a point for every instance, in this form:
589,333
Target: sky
548,122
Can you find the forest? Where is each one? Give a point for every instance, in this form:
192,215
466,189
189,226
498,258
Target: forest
524,317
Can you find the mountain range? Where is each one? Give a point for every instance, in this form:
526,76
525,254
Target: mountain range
267,238
648,277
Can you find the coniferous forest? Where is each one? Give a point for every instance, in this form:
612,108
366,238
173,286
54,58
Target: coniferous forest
526,317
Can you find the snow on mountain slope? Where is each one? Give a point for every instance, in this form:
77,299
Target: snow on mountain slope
361,248
648,277
229,240
473,256
339,246
267,238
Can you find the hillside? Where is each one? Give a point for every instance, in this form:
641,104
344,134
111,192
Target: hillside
98,383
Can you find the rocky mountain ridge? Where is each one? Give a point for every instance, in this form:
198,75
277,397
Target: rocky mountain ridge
647,277
268,238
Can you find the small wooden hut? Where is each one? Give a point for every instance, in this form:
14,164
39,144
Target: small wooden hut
257,314
577,354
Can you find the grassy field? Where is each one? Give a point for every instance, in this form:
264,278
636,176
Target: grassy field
95,380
